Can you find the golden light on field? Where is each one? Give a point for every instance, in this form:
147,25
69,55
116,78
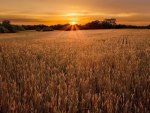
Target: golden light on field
76,72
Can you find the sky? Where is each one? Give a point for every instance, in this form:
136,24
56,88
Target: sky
133,12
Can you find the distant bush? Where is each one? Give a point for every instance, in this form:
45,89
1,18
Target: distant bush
47,29
18,28
3,29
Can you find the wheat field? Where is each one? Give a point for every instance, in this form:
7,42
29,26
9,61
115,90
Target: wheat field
94,71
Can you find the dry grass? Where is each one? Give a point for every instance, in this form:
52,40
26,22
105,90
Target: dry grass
106,71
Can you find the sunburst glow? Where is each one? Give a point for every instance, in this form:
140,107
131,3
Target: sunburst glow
73,23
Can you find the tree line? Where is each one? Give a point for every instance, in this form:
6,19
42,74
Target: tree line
7,27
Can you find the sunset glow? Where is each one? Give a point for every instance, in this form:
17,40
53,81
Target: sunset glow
51,12
73,23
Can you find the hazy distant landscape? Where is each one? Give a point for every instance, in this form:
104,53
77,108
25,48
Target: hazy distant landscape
7,27
92,71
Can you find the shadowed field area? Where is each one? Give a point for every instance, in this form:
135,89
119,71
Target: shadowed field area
95,71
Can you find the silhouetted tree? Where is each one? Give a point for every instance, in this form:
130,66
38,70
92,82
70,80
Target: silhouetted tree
7,25
93,25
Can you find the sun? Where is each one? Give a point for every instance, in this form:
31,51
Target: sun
73,23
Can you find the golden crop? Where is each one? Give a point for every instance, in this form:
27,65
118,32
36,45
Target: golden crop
103,71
